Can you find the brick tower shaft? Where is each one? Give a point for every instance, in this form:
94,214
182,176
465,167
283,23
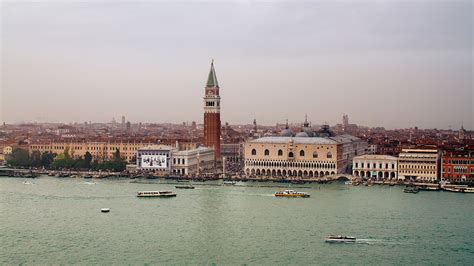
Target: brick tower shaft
212,116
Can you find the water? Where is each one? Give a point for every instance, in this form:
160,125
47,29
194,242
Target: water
58,221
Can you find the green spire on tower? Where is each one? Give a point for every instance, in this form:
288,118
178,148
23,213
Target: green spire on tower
212,79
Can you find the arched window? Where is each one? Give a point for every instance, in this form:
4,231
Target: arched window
302,153
315,154
290,154
280,153
329,155
254,152
266,152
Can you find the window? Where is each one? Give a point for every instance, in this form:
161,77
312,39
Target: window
290,154
329,155
302,153
315,155
254,152
280,153
266,152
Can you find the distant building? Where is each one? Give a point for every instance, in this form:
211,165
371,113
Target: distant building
372,149
419,164
380,167
232,150
155,157
194,161
458,164
212,116
99,150
308,154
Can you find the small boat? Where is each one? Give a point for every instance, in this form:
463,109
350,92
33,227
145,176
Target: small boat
155,194
340,239
428,188
27,183
291,194
411,190
184,186
460,189
230,182
105,210
348,183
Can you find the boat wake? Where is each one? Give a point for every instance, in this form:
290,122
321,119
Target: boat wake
371,241
88,183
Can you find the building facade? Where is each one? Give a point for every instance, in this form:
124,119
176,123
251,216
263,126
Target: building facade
380,167
212,116
156,158
419,164
308,157
458,165
163,159
99,150
195,161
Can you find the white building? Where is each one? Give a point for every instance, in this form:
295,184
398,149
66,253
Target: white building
155,158
193,161
419,164
167,159
380,167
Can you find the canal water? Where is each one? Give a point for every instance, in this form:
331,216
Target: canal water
58,221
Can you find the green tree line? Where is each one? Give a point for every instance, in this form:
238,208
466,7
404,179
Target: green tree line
21,158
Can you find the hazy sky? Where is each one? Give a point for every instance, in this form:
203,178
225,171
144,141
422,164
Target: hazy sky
385,63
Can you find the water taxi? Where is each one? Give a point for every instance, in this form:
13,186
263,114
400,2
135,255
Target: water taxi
230,182
184,186
160,194
460,189
340,239
291,194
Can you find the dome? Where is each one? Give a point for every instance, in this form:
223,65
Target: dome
302,134
286,133
308,131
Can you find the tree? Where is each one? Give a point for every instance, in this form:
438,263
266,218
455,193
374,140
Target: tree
47,159
117,155
88,159
66,153
19,157
35,158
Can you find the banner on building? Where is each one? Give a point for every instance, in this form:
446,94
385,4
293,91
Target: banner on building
154,161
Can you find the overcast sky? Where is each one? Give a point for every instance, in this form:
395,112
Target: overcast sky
385,63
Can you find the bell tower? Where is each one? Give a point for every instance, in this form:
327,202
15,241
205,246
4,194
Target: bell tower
212,116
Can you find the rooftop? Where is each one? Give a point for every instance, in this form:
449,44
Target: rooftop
296,140
376,157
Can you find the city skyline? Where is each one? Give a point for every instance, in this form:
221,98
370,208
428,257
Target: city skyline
93,61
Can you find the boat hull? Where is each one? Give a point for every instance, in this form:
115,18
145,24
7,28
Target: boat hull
340,240
157,196
292,196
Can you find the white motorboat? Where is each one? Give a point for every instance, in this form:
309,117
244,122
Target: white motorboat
105,210
291,194
230,182
340,239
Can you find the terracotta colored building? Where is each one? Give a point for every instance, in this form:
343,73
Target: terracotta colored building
458,164
212,116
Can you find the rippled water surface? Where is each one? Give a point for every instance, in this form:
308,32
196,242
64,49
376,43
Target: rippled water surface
58,221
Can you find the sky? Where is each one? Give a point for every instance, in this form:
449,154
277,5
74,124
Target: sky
395,64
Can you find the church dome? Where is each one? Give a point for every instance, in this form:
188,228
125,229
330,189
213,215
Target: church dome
286,133
302,134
